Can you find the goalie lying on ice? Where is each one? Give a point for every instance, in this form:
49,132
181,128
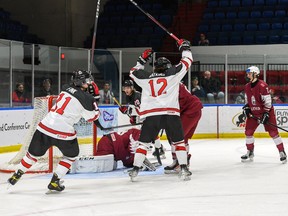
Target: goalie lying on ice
113,147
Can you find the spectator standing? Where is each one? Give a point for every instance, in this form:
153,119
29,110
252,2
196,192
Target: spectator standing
212,87
203,41
106,94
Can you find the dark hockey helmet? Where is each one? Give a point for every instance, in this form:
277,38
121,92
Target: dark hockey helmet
80,77
161,64
128,83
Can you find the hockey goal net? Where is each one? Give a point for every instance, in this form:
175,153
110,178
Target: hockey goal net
86,134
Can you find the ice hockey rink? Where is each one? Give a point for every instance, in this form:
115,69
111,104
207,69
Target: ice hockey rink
220,185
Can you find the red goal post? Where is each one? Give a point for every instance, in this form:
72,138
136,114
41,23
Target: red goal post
86,134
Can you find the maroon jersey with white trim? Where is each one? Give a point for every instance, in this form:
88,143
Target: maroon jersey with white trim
123,145
160,90
189,104
258,97
71,105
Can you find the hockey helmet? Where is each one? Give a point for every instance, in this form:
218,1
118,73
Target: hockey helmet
253,69
128,83
162,64
81,77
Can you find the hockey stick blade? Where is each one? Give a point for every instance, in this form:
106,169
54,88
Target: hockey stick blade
120,126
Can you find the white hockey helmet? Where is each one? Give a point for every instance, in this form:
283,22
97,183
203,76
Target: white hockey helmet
253,69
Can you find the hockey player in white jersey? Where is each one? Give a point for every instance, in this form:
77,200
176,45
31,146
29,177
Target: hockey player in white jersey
160,105
57,128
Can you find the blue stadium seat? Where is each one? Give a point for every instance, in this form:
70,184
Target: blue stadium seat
247,3
224,3
255,14
212,41
271,2
248,39
283,2
251,27
212,4
276,26
280,13
203,28
268,14
259,2
274,39
284,39
219,15
223,40
208,16
285,25
236,40
264,26
235,3
231,15
261,39
227,27
243,14
215,28
239,27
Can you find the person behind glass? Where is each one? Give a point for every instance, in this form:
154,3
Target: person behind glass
46,89
276,99
19,94
240,99
133,100
106,94
258,109
203,41
211,87
196,89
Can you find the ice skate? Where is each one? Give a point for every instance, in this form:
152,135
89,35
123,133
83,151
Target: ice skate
248,157
172,168
133,173
184,173
55,184
161,152
283,157
15,177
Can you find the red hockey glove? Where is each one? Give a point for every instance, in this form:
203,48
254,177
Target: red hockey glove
145,56
93,90
183,45
123,109
133,120
265,118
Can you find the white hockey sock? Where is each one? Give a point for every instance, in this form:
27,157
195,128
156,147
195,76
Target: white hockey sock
63,166
27,161
181,152
140,154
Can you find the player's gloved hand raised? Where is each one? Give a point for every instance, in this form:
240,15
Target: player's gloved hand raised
93,90
247,111
183,44
265,118
133,120
123,109
145,56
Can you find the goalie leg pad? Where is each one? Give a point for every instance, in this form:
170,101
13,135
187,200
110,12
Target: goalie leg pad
94,164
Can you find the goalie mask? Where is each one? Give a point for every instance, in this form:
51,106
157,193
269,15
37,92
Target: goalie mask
162,64
81,77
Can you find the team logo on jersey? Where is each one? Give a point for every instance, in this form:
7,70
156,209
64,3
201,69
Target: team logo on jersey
282,117
107,116
239,120
253,100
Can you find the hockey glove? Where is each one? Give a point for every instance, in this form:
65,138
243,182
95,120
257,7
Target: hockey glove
183,45
247,111
265,118
98,124
133,120
93,90
145,56
123,109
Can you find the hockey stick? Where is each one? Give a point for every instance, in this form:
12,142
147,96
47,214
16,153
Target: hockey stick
120,126
269,123
94,34
155,21
118,103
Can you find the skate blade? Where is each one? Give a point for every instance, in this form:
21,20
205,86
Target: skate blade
284,161
133,178
185,177
52,192
169,172
9,185
250,160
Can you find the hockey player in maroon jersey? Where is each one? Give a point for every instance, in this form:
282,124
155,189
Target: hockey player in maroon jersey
190,114
57,128
160,105
259,109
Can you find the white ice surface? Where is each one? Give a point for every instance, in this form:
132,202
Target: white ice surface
220,185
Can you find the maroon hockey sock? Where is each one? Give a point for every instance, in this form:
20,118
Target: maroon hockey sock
250,147
280,147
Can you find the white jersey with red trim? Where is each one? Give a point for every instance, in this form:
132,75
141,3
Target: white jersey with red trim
72,104
160,90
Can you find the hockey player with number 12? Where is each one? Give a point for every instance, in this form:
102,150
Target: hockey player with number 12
57,128
160,106
259,109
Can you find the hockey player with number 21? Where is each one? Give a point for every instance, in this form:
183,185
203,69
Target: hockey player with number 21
259,109
57,128
160,106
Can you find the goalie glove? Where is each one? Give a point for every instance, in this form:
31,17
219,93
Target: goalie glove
145,56
183,45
